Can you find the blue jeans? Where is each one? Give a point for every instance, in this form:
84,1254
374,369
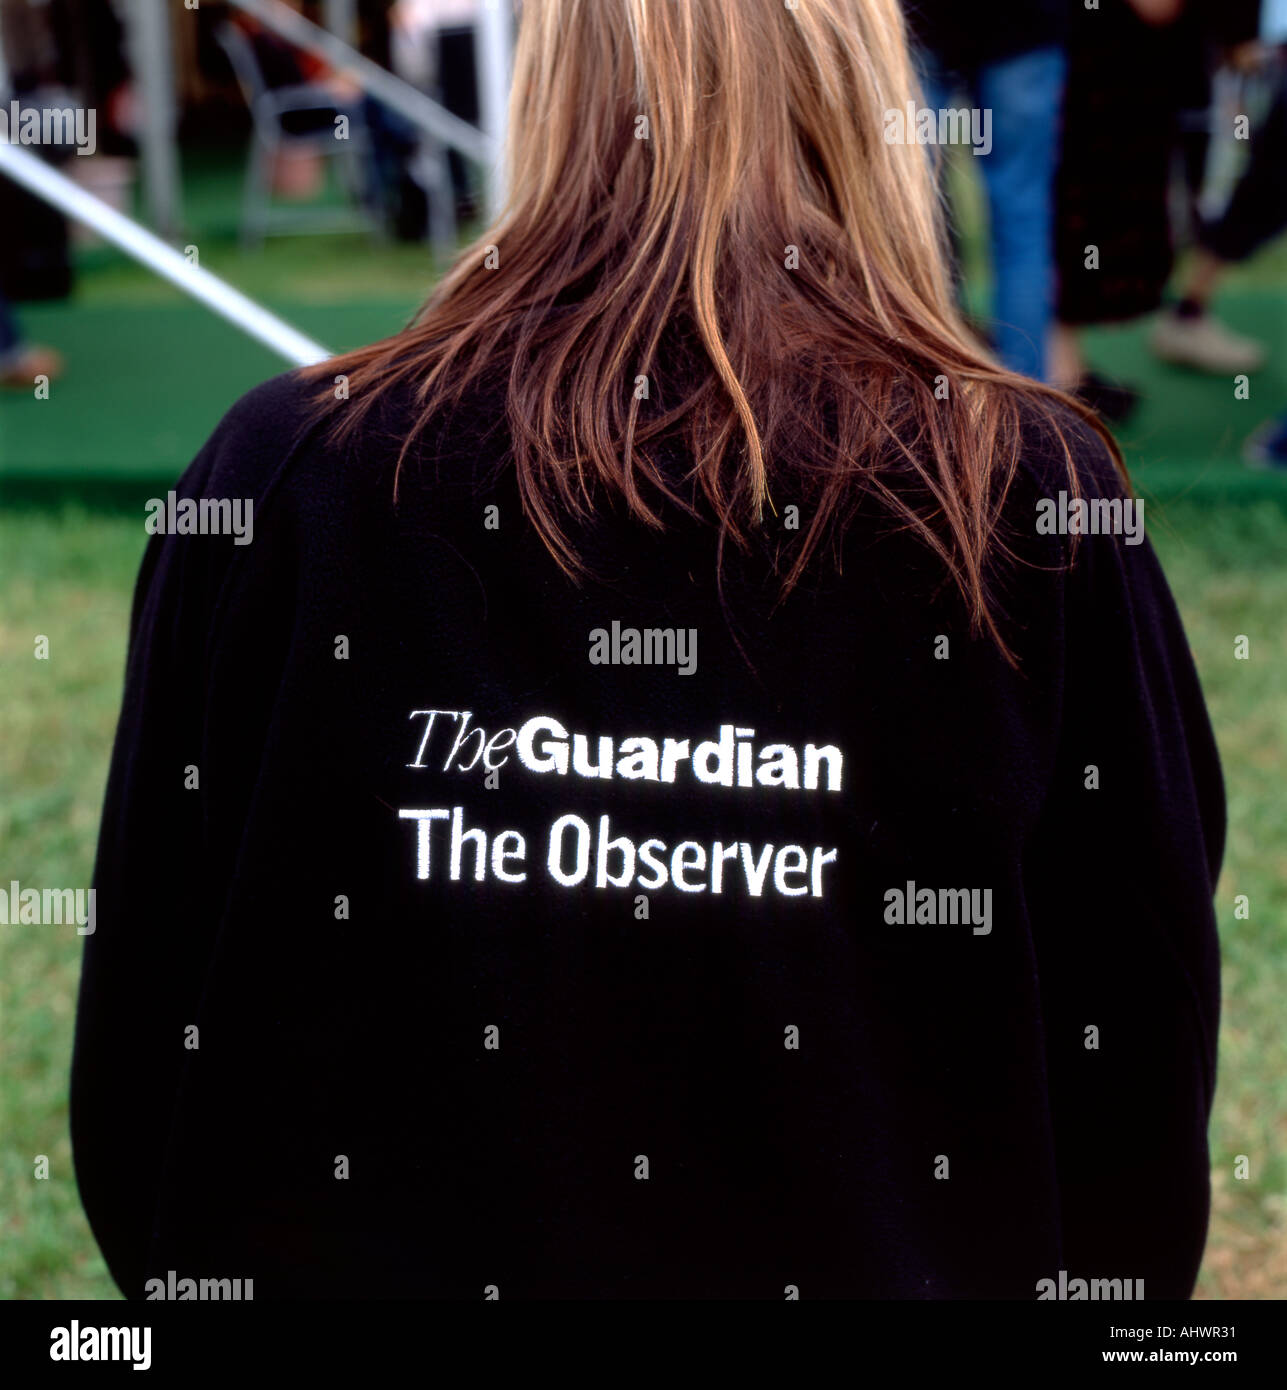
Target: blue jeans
1025,97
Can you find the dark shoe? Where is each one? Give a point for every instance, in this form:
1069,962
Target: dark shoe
1114,400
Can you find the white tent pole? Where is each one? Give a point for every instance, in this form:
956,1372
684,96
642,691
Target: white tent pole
495,60
153,63
340,17
39,178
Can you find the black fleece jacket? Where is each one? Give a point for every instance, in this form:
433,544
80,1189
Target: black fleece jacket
600,980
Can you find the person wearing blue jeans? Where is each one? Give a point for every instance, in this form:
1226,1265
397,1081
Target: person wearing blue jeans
1024,95
1008,61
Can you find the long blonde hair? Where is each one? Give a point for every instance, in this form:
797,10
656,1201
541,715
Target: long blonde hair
708,238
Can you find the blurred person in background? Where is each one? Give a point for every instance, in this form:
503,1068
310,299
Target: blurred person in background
390,187
21,362
1008,57
1187,334
298,173
1127,66
33,240
433,45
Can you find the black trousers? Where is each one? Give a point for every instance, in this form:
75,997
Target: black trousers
458,92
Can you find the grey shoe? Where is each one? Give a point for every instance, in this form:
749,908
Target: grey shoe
1205,344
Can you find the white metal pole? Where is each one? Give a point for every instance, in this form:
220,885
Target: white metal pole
495,59
34,174
340,17
153,61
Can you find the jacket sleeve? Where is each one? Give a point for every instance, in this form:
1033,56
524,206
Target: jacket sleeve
153,912
160,878
1120,879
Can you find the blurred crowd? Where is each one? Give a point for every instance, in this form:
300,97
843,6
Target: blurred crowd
56,54
1122,130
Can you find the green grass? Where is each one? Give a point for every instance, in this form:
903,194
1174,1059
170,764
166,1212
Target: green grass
73,471
65,576
1228,570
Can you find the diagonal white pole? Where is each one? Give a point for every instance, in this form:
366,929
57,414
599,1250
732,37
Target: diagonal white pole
39,178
